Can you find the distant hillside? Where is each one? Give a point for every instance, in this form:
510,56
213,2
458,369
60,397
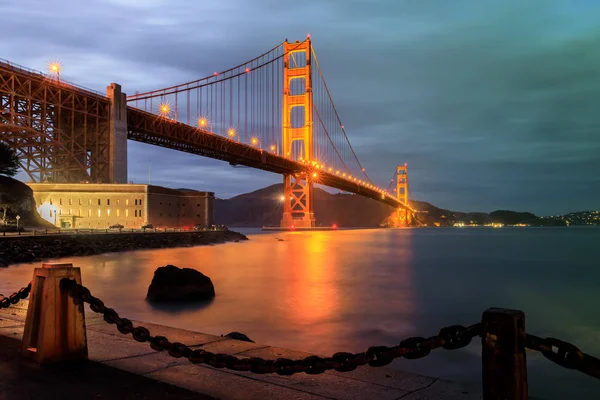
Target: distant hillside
263,208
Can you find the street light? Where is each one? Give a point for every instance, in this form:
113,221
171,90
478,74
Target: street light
203,122
164,109
54,68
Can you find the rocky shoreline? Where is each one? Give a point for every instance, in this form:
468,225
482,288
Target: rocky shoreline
27,249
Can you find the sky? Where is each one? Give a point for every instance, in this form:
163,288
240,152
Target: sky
493,104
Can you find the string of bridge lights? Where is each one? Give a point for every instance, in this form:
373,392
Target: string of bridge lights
205,126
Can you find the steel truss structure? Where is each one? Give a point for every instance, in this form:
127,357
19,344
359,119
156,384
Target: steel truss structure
59,131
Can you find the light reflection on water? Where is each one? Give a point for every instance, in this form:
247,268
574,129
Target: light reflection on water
325,292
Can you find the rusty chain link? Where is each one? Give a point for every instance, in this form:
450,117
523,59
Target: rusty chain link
14,298
564,354
450,338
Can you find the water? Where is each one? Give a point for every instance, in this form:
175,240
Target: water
325,292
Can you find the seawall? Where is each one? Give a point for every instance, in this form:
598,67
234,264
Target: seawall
24,249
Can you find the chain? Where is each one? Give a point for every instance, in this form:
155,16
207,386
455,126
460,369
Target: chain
564,354
450,338
14,298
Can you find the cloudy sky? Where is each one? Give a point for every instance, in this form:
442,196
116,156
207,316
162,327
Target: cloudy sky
493,104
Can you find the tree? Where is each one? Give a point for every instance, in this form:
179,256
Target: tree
9,162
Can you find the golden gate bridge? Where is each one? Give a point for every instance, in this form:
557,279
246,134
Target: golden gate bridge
274,112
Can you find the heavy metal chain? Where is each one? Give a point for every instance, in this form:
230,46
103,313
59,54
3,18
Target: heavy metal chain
14,298
564,354
450,338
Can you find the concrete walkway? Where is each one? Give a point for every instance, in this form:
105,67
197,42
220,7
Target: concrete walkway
109,348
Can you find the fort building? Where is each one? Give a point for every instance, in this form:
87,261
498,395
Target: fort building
99,206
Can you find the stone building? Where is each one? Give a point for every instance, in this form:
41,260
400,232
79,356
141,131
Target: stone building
98,206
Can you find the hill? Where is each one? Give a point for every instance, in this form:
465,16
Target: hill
263,207
16,198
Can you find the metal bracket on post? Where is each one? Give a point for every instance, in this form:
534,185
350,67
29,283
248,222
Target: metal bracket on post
504,365
55,324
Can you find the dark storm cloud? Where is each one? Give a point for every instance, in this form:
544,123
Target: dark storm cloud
492,104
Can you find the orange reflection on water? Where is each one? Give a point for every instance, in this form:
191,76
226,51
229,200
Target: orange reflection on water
313,285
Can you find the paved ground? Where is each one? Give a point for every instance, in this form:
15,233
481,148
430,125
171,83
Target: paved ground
21,379
112,353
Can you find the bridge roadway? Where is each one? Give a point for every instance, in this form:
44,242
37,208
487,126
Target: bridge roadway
160,131
150,128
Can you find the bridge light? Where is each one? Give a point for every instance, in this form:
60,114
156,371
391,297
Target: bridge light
254,141
273,147
344,175
337,172
216,73
314,174
363,170
202,122
247,70
54,67
330,169
282,198
164,109
342,126
231,132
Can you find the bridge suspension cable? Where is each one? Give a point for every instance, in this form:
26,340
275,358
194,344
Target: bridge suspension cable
245,104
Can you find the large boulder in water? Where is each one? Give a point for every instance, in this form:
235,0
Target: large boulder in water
171,284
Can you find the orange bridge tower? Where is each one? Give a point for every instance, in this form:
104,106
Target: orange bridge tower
404,215
297,127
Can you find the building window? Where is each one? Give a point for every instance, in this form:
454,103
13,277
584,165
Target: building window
98,201
108,202
50,201
60,212
79,201
118,201
60,202
98,212
70,211
70,202
89,202
118,213
89,213
80,212
108,212
126,202
140,202
136,202
126,213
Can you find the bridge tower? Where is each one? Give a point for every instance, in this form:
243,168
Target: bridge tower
297,127
404,215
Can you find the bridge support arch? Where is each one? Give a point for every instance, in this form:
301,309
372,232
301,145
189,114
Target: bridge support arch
297,127
117,127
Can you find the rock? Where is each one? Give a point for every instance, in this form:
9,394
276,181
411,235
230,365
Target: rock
172,284
239,336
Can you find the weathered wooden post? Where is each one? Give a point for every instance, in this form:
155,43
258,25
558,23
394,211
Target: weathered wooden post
504,365
55,325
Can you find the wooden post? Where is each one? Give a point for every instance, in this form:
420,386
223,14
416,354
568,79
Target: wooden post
55,325
504,366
